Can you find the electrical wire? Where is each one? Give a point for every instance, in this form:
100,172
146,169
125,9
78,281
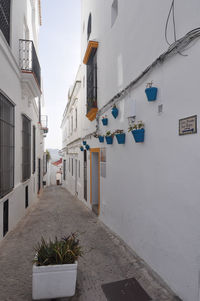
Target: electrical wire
175,48
172,12
167,23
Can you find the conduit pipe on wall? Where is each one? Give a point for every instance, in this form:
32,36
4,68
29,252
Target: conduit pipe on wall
176,48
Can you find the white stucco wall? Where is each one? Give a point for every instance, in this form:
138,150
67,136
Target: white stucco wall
25,103
150,195
151,192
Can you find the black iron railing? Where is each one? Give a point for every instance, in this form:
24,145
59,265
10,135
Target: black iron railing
44,123
5,19
28,59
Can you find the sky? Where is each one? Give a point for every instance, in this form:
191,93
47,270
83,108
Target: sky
59,52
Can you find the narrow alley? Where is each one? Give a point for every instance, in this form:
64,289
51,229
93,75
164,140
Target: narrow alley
106,259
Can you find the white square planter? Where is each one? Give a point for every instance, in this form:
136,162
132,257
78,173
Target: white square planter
54,281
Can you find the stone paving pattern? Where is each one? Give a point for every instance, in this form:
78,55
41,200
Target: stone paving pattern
106,258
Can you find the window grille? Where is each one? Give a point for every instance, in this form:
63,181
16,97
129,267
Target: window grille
6,145
26,148
92,81
5,19
89,28
34,148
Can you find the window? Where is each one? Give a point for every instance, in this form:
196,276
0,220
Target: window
72,168
64,170
89,28
44,164
5,19
71,124
79,168
34,149
114,12
69,164
6,145
92,81
5,217
26,148
26,196
76,120
68,126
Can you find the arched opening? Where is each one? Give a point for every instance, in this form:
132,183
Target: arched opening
89,28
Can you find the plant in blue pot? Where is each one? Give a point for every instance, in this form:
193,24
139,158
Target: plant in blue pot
87,147
109,137
115,111
84,142
105,120
101,138
121,136
81,148
151,92
137,130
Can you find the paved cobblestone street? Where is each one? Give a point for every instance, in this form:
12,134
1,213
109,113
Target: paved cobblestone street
106,259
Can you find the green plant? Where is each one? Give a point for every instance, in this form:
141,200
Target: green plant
119,131
136,126
48,156
108,133
149,85
53,252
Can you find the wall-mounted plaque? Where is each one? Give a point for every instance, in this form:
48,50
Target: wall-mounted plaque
188,125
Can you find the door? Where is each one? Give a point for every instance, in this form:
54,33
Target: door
85,174
39,175
76,176
26,196
5,217
95,180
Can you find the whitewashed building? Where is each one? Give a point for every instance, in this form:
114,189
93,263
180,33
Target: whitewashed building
21,126
148,193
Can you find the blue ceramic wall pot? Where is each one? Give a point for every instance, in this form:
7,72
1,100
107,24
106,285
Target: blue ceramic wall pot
121,138
151,93
138,135
87,147
101,139
81,148
84,142
109,139
105,121
115,112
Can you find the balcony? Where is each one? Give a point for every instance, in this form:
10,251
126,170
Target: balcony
30,67
44,123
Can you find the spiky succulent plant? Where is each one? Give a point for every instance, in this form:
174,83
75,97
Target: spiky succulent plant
58,251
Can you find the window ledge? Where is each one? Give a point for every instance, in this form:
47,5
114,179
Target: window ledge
91,115
91,45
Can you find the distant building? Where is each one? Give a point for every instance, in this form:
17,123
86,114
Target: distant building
21,125
148,193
